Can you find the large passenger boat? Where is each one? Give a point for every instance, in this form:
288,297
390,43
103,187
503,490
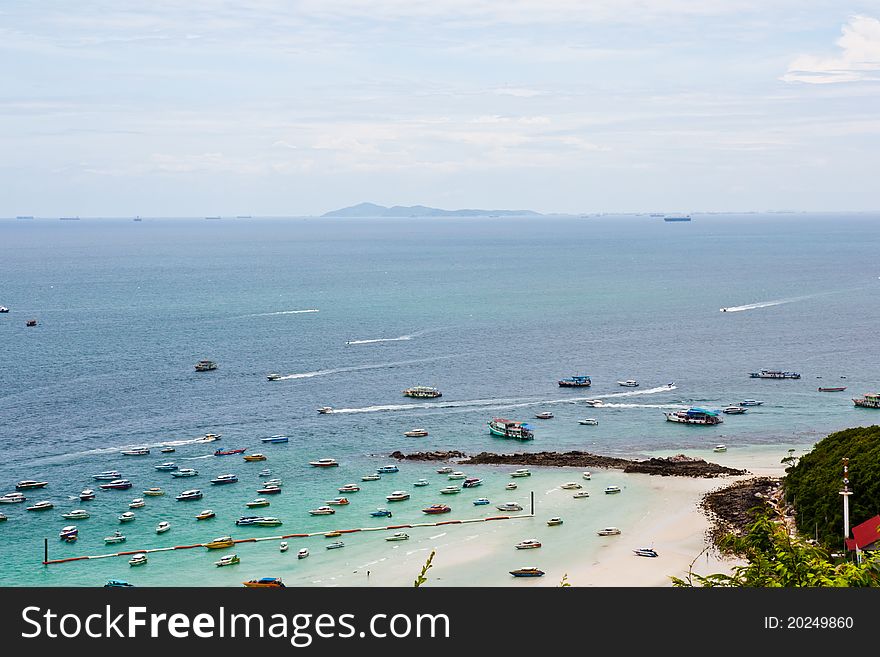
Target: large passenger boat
510,429
694,416
774,374
422,392
869,400
575,382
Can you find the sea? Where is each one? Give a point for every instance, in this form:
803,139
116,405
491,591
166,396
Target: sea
491,311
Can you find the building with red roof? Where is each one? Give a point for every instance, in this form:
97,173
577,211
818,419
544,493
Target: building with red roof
866,536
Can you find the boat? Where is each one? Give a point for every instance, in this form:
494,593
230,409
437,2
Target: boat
750,402
456,475
381,513
274,440
589,421
587,476
128,516
12,498
645,552
629,383
544,415
554,521
115,537
608,531
683,217
774,374
834,389
137,503
444,470
371,477
268,521
206,514
137,451
422,392
436,509
528,544
206,366
193,494
324,463
720,448
30,484
575,382
325,409
580,494
273,482
283,546
398,536
166,467
303,553
76,514
254,457
219,480
229,452
335,545
244,521
87,495
228,560
116,484
387,469
269,489
31,323
4,309
612,490
868,400
472,482
450,490
138,560
421,482
155,491
481,501
185,472
522,472
734,410
571,485
67,532
118,584
260,501
208,438
397,496
167,450
504,428
594,402
220,543
332,534
163,527
416,433
322,511
527,572
274,376
265,583
694,416
338,501
265,472
509,506
510,486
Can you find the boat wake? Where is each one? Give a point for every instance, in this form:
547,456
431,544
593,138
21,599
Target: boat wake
359,368
400,338
283,312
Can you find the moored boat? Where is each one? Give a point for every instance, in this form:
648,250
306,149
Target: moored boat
529,571
12,498
163,527
116,484
254,457
509,506
283,546
398,536
510,486
206,514
30,484
371,477
155,491
228,560
571,485
472,482
589,421
137,503
719,448
87,495
128,516
193,494
481,501
416,433
324,463
456,475
608,531
381,513
694,416
521,472
138,560
774,374
185,472
575,382
450,490
302,553
338,501
397,496
436,509
118,584
260,501
68,532
505,428
421,482
422,392
734,410
166,467
322,511
275,440
868,400
554,521
265,583
229,452
387,469
268,521
750,402
580,494
587,475
611,490
335,545
222,479
115,537
76,514
833,389
269,489
645,552
528,544
220,543
444,470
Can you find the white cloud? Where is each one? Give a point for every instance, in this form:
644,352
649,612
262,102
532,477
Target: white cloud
858,59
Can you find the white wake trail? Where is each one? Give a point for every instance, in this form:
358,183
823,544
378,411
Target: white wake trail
284,312
399,338
359,368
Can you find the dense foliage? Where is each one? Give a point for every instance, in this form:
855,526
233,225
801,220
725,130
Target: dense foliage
776,559
812,485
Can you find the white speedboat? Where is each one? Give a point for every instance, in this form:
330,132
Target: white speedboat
323,511
338,501
397,496
265,472
68,532
185,472
137,451
45,505
206,366
166,467
303,553
528,544
107,475
128,516
522,472
258,502
193,494
421,482
580,494
450,490
12,498
371,477
590,421
608,531
138,560
30,484
399,536
571,485
86,495
720,448
77,514
416,433
206,514
349,488
629,383
335,545
554,521
456,475
544,415
324,463
612,490
274,376
481,501
115,537
116,484
136,503
283,546
444,470
472,482
587,476
154,491
509,506
163,527
387,469
734,410
510,486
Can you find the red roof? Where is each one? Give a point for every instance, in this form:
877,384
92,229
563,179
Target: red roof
866,533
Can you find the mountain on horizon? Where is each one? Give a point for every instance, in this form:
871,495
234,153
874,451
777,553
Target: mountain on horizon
374,210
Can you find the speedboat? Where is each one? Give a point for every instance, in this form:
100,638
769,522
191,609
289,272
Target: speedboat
117,584
185,472
456,475
167,450
155,491
322,511
587,475
128,516
224,479
275,439
205,366
416,433
115,537
283,546
472,482
371,477
229,452
268,521
228,560
720,448
481,501
646,552
510,486
208,438
528,544
166,467
381,513
435,509
332,534
750,402
397,496
14,498
116,484
325,409
260,501
78,514
580,494
138,560
136,503
544,415
629,383
338,501
349,488
595,403
527,572
86,495
734,410
398,536
137,451
265,583
68,532
4,309
254,457
324,463
244,521
450,490
206,514
163,527
269,489
591,421
220,543
572,485
274,376
611,490
41,506
303,553
265,472
387,469
554,521
193,494
833,389
421,482
444,470
522,472
509,506
608,531
30,484
335,545
107,475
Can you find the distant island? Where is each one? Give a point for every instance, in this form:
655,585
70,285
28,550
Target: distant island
373,210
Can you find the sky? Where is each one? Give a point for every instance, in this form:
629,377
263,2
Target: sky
297,107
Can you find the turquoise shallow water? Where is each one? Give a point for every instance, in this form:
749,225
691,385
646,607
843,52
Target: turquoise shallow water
490,311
